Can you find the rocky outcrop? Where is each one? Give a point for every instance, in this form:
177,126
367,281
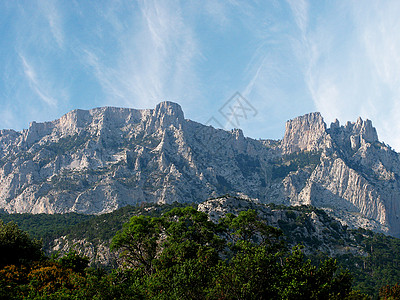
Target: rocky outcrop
306,133
305,225
95,161
98,252
301,225
355,181
98,160
353,135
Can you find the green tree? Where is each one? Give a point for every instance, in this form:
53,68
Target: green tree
138,242
190,253
248,227
252,273
190,259
72,260
301,279
188,234
177,250
16,247
256,273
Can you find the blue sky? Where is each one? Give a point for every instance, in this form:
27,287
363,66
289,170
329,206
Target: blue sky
286,58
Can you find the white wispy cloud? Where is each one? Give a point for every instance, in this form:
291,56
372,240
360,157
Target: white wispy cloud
378,28
255,77
154,58
300,12
217,11
54,19
35,83
274,84
37,86
351,66
8,117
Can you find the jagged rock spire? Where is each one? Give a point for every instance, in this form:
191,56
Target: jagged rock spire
353,135
307,132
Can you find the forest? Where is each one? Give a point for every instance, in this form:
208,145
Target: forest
178,253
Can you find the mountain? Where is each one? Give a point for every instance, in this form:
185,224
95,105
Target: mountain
96,161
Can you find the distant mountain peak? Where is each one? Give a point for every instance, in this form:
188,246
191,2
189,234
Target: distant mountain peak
304,133
95,161
169,113
353,134
168,107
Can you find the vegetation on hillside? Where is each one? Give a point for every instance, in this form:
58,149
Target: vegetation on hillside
380,267
183,255
45,227
224,248
293,162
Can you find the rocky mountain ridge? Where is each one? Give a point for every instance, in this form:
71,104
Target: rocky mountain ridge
99,160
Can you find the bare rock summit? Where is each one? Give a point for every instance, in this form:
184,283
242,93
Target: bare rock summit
95,161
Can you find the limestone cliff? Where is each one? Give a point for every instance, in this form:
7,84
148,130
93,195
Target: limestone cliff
95,161
306,133
98,160
356,179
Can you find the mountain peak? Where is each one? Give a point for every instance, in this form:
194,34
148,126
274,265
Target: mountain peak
304,133
353,134
168,113
366,130
94,161
169,108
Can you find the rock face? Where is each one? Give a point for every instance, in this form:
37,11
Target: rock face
306,133
308,226
356,179
96,161
99,160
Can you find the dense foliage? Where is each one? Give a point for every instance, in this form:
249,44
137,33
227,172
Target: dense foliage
183,255
49,226
16,247
381,267
45,226
182,250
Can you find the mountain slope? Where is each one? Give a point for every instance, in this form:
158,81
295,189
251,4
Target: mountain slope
96,161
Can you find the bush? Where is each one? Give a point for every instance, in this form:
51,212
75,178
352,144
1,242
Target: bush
16,247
